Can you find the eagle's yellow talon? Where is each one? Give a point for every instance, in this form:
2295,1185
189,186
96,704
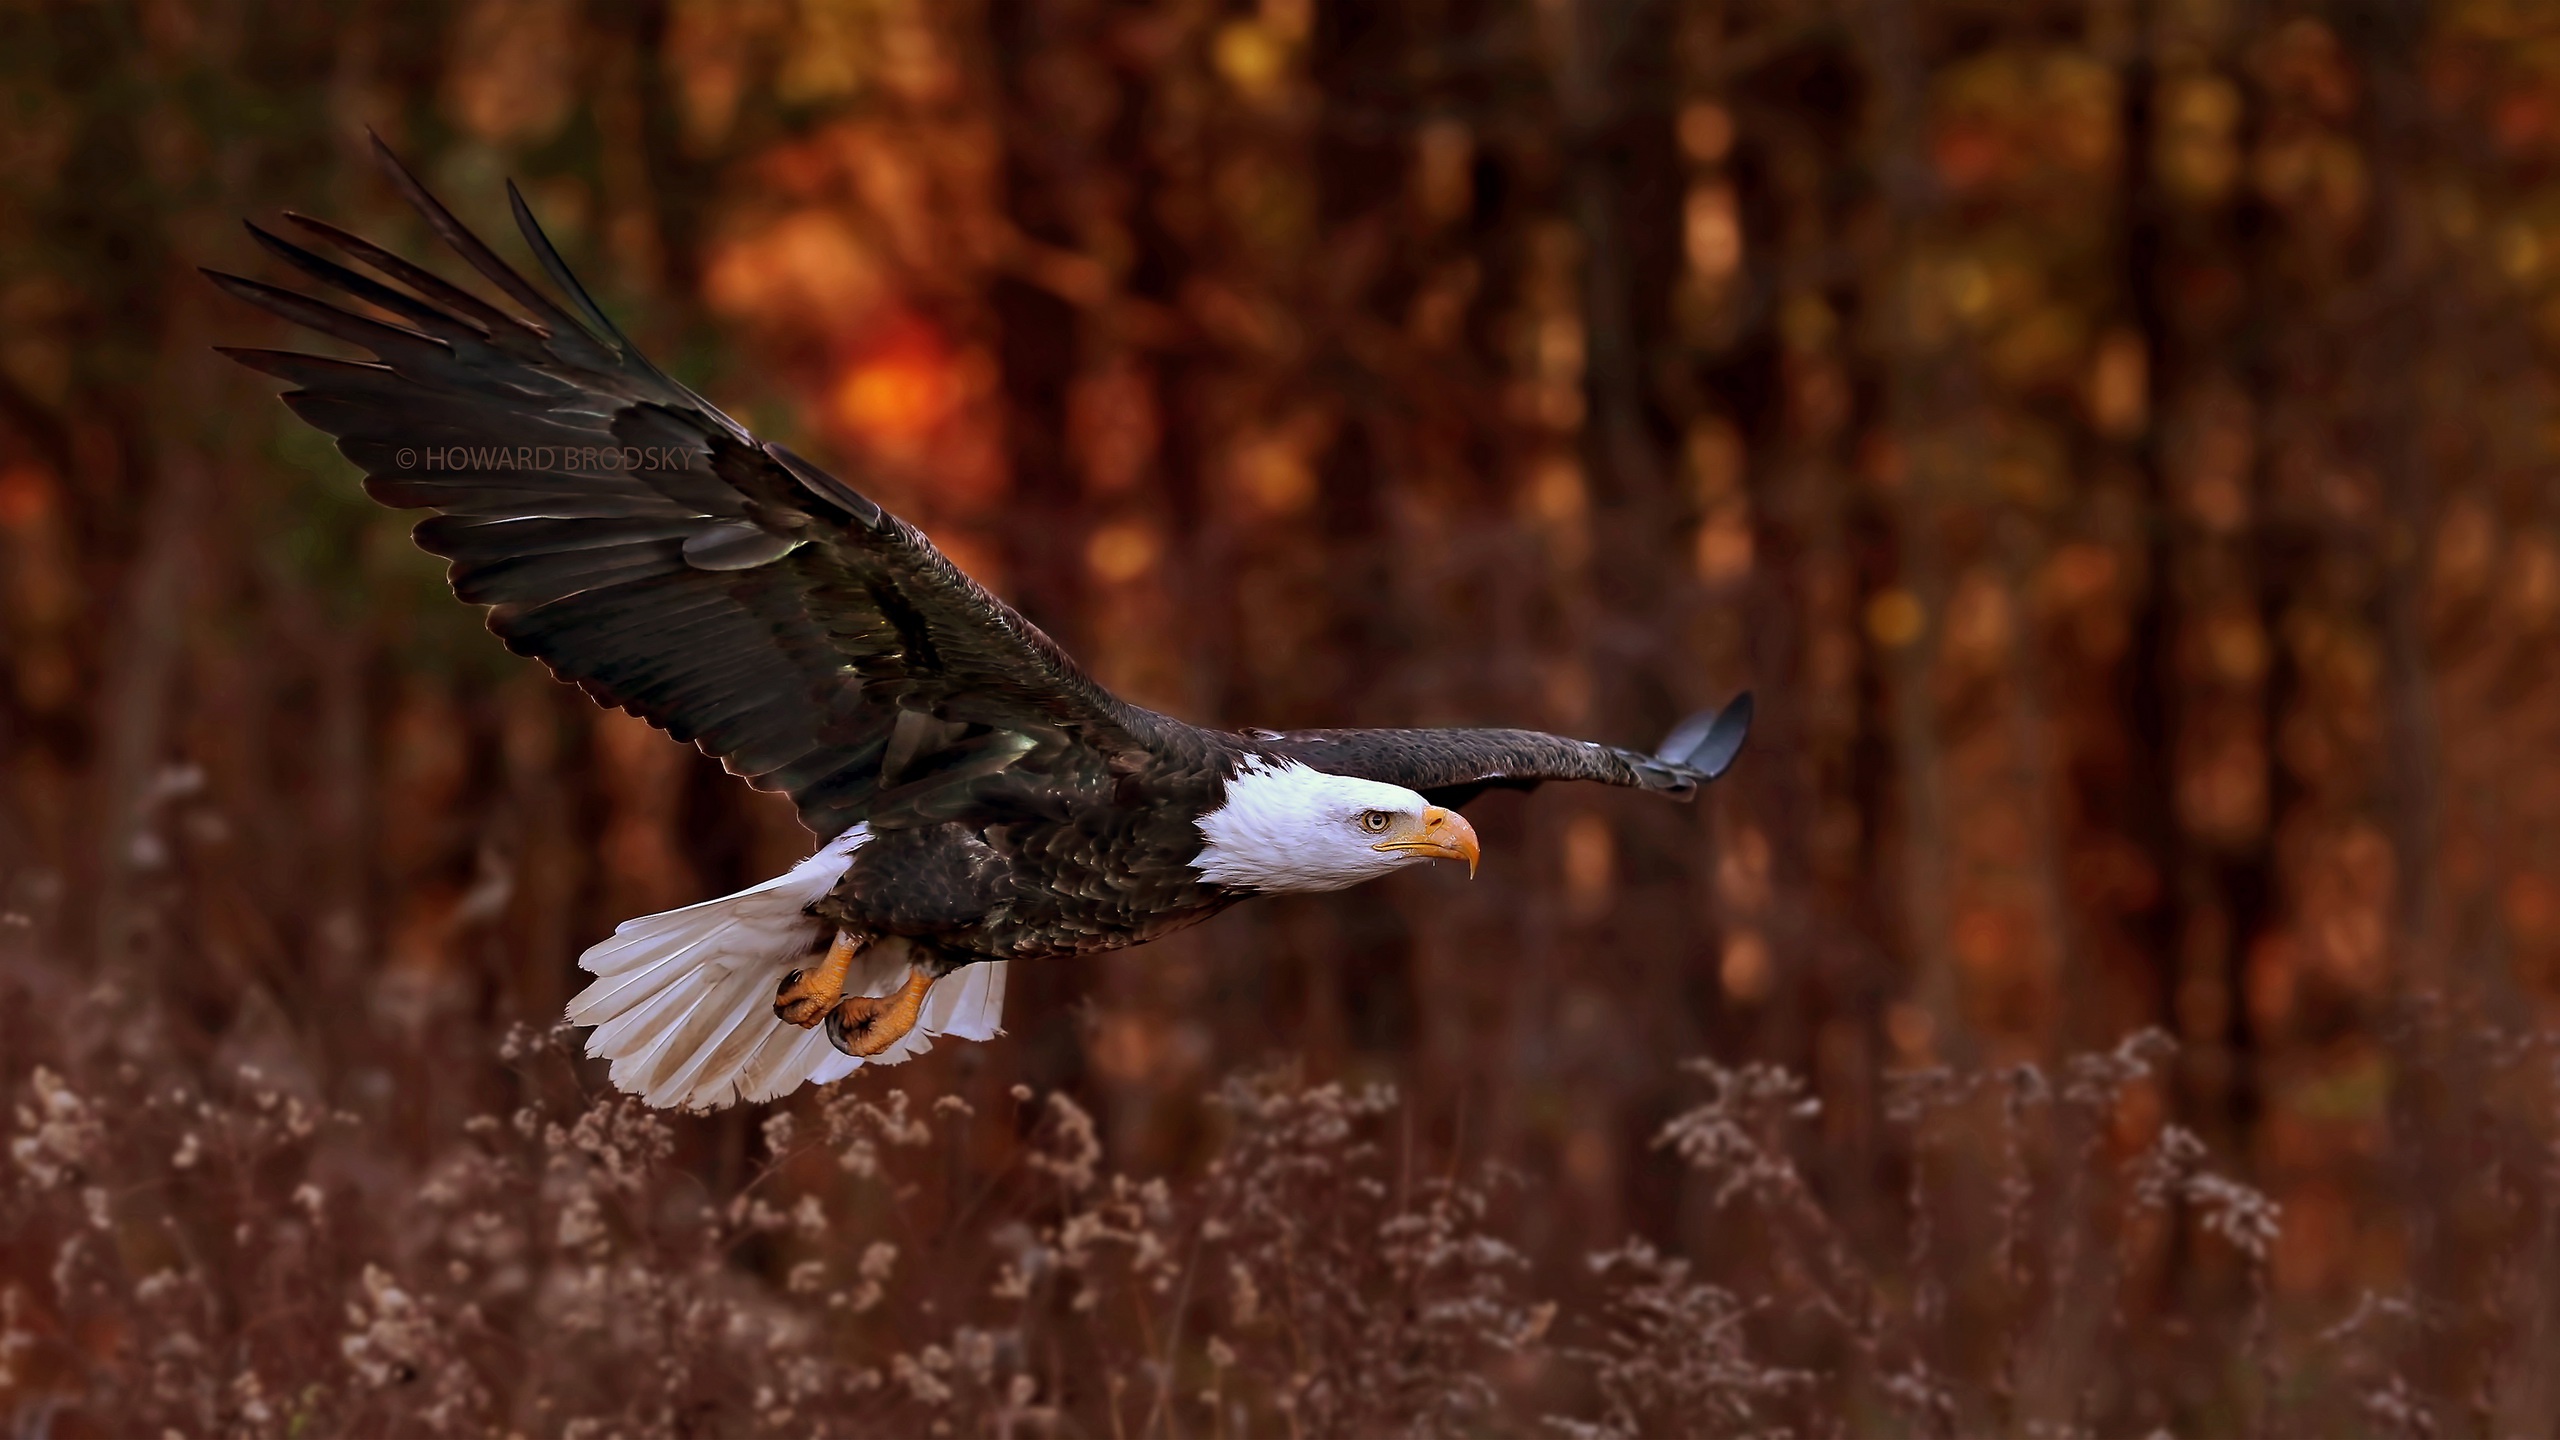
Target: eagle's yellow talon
805,996
866,1025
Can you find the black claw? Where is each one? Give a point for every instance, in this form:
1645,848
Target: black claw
787,982
836,1035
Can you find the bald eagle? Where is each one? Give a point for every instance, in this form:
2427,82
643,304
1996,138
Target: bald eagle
979,800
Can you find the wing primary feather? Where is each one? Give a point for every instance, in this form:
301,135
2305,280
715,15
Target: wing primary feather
1685,737
827,487
363,287
548,256
386,341
296,367
417,277
479,256
1715,751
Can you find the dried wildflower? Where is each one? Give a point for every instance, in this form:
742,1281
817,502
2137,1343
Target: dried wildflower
158,1287
1244,1297
1922,1394
520,1041
1313,1276
920,1375
61,1132
390,1339
2372,1309
2238,1213
2171,1169
581,1223
1732,1136
249,1398
17,1337
2161,1172
1073,1149
857,1128
1671,1357
809,1218
756,1214
2396,1409
2096,1080
622,1137
1309,1229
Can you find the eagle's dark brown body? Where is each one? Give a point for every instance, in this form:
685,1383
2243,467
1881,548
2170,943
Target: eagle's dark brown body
1047,880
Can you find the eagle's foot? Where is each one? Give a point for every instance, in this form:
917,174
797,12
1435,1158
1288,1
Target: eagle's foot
867,1025
806,996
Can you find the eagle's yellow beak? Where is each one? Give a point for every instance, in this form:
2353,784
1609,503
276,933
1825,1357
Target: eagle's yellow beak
1444,834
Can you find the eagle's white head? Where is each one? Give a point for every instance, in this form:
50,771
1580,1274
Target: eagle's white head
1286,827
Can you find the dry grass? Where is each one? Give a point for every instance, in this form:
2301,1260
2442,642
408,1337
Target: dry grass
200,1253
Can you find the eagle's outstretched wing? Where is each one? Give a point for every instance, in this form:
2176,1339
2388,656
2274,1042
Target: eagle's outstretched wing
647,548
1452,767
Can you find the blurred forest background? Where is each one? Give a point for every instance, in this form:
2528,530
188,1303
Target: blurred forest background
2115,438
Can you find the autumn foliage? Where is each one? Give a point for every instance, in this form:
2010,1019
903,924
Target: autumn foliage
2114,438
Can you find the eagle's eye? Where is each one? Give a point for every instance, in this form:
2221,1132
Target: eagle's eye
1375,821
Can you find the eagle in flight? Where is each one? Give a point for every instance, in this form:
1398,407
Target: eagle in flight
979,798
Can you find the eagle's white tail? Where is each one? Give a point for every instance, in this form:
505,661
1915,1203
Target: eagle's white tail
683,1000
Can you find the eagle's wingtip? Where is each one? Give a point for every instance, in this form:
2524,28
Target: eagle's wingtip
1715,751
1708,741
